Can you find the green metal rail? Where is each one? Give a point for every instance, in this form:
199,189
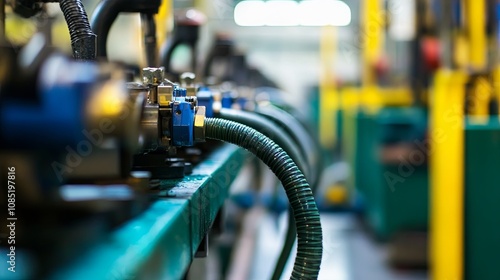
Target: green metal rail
161,242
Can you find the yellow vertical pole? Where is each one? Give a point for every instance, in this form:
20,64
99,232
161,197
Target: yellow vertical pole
371,37
164,21
329,99
476,29
479,100
446,176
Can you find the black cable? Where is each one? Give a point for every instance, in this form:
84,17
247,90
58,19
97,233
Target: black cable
83,40
309,232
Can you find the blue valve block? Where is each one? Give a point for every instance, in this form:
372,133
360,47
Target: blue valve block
206,98
182,122
57,119
179,92
227,101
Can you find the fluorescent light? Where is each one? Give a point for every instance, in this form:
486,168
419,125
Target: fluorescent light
402,26
282,13
292,13
324,12
250,13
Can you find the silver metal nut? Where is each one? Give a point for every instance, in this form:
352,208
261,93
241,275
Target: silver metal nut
199,124
153,75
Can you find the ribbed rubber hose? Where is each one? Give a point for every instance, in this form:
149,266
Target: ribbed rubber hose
308,148
307,220
300,135
271,130
83,40
283,139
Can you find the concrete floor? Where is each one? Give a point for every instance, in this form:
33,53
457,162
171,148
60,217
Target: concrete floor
349,252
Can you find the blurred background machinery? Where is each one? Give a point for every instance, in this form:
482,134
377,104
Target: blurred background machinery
118,177
121,121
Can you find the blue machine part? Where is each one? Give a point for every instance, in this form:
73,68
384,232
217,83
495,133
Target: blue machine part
498,21
182,122
457,12
57,120
206,98
179,92
227,100
242,102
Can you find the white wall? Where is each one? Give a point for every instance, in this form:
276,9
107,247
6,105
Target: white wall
288,55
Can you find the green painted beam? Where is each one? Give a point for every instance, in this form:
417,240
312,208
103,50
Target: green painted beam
161,242
482,197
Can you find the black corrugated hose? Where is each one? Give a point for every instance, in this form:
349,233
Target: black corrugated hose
271,130
83,40
309,148
307,220
285,140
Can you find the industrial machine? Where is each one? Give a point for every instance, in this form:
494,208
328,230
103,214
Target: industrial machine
379,126
114,175
420,132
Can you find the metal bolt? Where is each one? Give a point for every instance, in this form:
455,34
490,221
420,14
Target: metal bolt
152,75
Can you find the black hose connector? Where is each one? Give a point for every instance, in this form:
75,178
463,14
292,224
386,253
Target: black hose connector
83,39
305,211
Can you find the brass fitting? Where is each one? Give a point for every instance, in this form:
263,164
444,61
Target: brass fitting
165,94
199,124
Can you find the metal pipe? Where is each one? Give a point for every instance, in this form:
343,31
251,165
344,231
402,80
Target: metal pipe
102,18
445,33
149,33
107,11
